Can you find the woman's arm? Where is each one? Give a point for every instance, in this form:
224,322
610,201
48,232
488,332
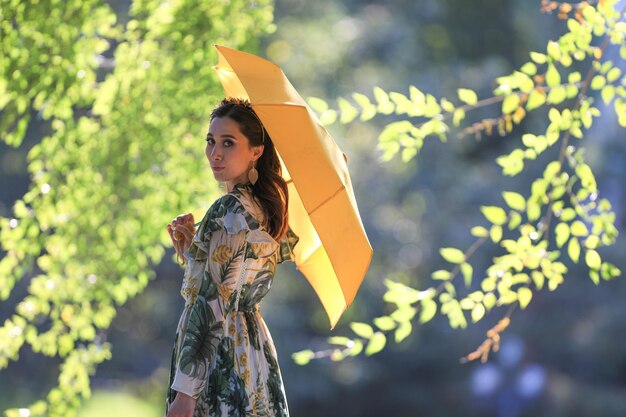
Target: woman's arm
183,406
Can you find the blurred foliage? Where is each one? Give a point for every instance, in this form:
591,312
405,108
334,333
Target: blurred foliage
105,404
127,104
562,213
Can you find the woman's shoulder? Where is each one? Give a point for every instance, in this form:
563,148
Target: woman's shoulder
238,210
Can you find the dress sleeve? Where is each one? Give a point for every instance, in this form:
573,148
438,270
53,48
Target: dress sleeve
227,236
287,244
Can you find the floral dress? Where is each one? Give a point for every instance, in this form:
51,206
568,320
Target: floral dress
224,355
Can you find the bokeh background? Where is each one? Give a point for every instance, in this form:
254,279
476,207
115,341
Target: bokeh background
565,355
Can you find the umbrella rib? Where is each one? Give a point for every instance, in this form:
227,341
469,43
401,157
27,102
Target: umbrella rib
343,187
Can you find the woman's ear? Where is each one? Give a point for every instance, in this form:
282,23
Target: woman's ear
257,151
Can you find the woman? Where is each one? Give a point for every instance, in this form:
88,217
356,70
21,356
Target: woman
224,361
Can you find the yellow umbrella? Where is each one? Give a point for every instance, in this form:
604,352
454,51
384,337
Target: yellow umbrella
333,252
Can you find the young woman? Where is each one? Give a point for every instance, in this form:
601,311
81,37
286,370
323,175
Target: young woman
224,361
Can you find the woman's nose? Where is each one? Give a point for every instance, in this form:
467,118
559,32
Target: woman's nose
216,153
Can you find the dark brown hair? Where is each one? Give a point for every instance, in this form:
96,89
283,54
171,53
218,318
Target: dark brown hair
270,189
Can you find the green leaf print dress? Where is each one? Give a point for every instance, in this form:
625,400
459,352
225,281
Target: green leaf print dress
224,355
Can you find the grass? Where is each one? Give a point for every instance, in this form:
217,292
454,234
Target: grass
121,404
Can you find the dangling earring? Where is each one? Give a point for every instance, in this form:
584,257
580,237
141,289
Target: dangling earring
253,174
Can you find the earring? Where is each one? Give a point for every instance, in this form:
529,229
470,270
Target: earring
253,174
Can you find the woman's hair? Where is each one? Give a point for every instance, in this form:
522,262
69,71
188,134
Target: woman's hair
270,189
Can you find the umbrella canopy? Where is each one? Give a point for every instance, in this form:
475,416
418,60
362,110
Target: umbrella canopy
333,252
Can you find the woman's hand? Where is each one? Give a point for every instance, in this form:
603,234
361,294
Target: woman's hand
181,232
183,406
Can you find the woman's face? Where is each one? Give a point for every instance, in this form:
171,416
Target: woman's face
229,152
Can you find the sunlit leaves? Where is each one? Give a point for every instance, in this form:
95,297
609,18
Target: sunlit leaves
573,250
467,270
479,231
403,331
560,221
536,99
376,343
494,214
467,96
514,200
429,309
452,255
510,103
553,78
368,110
84,222
362,329
524,295
303,357
385,323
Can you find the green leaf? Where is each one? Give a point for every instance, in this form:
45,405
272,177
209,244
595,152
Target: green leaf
458,116
441,275
404,313
489,301
536,99
494,214
368,110
447,105
495,233
529,69
479,231
467,270
467,96
553,78
598,82
592,242
403,331
524,295
538,279
557,95
586,177
515,220
538,57
608,93
376,344
363,330
514,200
385,323
339,340
613,74
347,110
467,304
573,249
317,104
429,309
562,234
568,214
452,255
303,357
510,103
478,312
609,271
592,259
579,228
356,348
385,106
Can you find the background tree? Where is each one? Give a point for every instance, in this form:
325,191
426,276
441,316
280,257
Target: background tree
563,211
126,104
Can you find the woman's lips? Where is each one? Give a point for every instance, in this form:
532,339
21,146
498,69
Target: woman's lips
217,169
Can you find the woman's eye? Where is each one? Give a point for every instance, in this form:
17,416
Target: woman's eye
210,141
228,143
